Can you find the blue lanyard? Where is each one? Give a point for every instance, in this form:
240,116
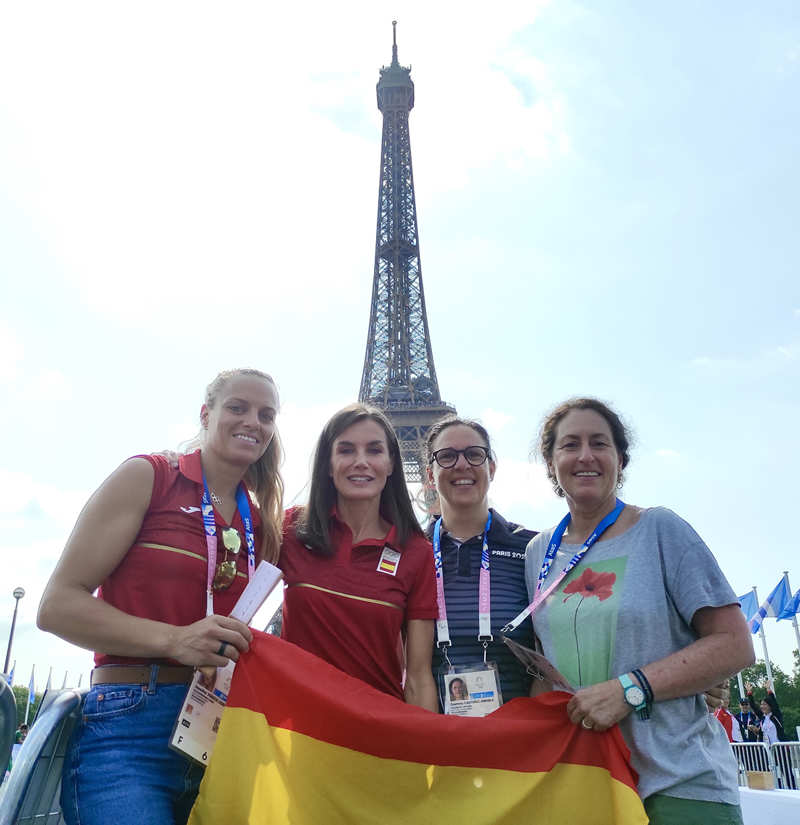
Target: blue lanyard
484,591
552,549
210,525
558,535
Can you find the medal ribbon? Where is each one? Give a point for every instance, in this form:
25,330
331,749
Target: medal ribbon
549,556
210,525
484,588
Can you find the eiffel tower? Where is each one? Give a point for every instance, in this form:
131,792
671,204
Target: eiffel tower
399,377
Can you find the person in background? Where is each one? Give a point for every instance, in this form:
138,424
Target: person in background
461,466
357,568
770,717
748,721
637,614
170,549
729,722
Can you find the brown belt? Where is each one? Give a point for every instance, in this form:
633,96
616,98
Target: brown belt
140,675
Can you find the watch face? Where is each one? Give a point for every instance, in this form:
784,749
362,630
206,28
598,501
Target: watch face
634,696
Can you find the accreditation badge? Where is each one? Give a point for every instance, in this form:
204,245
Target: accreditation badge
470,690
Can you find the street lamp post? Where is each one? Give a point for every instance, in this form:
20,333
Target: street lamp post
18,594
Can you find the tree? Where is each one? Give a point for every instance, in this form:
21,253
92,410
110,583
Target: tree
787,691
21,695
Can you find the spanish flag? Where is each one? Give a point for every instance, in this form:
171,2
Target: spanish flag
301,742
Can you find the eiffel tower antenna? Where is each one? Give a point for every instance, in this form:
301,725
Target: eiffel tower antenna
399,376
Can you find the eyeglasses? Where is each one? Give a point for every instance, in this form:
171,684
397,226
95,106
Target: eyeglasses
226,570
447,456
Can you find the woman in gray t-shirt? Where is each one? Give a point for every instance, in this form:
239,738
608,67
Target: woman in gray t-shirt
641,624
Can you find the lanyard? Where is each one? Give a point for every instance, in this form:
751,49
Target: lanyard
210,525
484,600
549,556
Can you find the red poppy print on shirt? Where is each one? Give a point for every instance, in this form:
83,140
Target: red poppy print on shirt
590,583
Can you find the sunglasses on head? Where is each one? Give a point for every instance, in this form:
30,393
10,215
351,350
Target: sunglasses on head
226,569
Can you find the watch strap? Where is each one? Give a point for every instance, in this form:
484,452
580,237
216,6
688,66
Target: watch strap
643,708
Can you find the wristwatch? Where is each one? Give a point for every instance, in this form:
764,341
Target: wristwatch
634,696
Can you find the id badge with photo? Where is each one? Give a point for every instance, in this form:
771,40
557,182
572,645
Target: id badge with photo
470,690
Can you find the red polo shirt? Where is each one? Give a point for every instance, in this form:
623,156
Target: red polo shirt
346,610
163,576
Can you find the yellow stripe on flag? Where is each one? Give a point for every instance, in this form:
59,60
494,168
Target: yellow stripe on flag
262,774
302,743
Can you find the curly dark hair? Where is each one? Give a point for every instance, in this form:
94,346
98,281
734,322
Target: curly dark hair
547,433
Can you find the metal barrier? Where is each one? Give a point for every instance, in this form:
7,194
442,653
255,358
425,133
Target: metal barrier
786,759
781,759
8,724
752,756
32,791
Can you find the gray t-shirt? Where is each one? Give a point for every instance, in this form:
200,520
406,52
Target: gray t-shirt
630,602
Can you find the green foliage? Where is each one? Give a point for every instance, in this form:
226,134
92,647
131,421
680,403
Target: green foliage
787,691
21,695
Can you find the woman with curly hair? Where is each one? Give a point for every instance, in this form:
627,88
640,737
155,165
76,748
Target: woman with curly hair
632,608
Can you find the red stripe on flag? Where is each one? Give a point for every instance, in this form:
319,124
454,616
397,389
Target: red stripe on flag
297,691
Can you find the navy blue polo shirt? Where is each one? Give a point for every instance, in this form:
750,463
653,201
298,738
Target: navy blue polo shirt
460,569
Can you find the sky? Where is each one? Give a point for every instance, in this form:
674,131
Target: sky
607,203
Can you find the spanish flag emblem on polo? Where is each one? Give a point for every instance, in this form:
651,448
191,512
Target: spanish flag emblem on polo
303,743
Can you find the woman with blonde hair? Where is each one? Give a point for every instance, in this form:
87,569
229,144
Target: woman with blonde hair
168,550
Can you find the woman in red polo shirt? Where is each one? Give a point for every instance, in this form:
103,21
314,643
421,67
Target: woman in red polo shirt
357,567
170,549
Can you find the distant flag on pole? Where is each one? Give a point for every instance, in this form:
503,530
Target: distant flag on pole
49,685
790,610
773,605
64,683
10,677
31,688
748,604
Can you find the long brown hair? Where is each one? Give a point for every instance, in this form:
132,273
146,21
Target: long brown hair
263,477
313,526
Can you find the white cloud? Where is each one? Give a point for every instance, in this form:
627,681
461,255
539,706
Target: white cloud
22,496
771,359
668,454
11,352
519,484
49,385
228,177
300,427
495,420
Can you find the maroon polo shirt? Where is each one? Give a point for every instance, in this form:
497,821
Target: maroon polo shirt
349,612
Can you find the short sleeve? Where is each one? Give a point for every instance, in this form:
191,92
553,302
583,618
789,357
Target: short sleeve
422,596
693,576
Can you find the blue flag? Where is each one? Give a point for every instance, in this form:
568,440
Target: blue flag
790,610
773,605
31,688
10,677
749,605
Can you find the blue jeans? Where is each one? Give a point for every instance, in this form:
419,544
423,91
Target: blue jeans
118,767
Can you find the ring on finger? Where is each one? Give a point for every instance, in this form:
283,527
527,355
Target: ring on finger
221,651
586,723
